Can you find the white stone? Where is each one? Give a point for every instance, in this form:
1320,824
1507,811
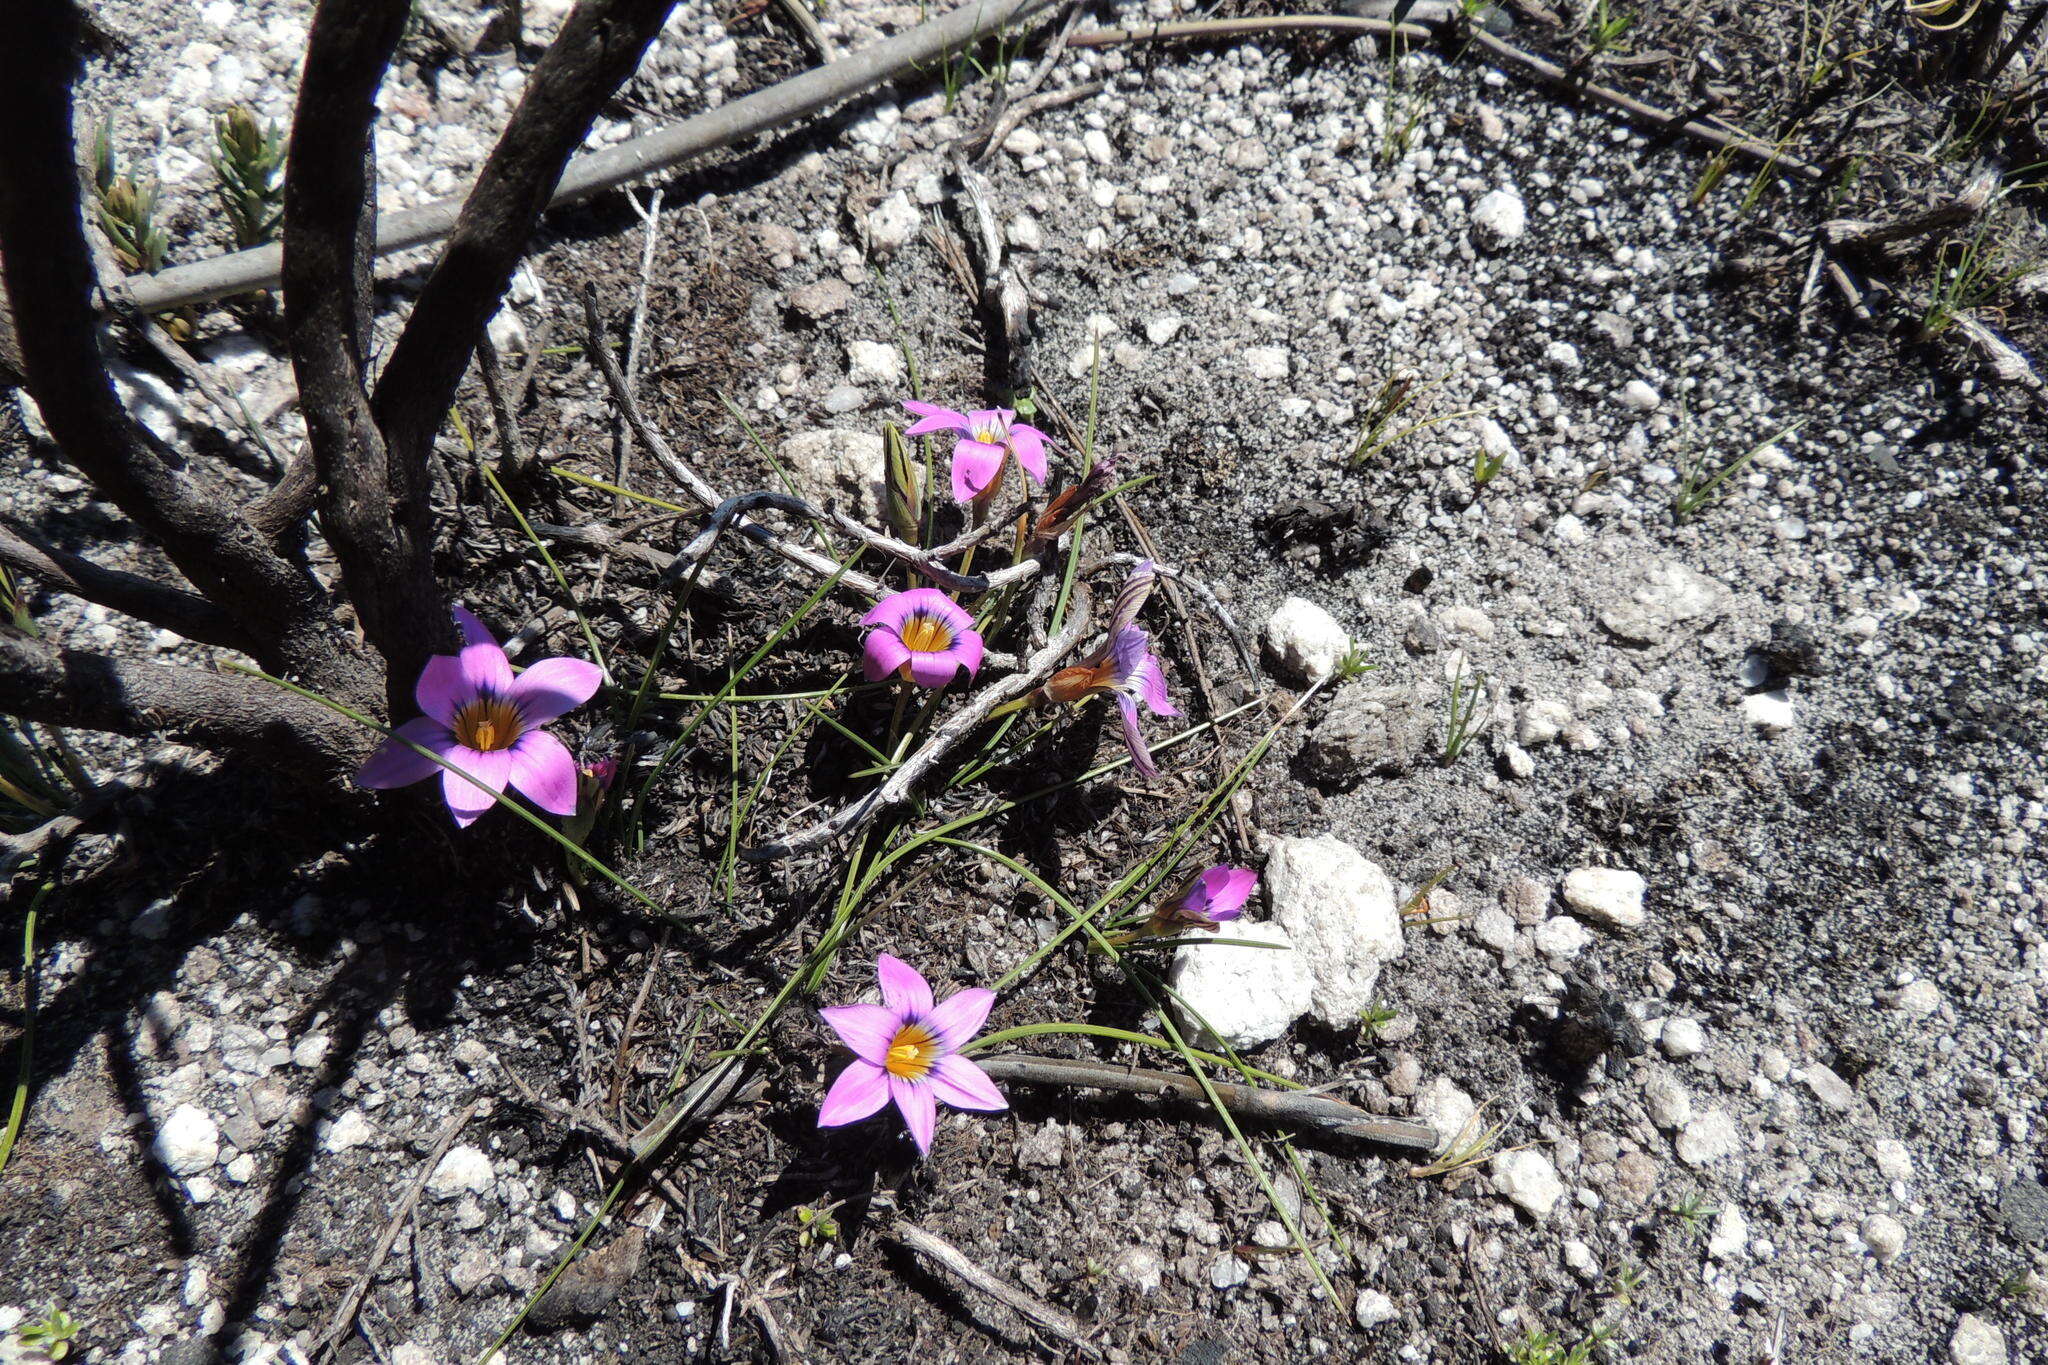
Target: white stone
461,1170
1885,1236
1023,142
877,127
1373,1308
507,332
1267,362
1977,1341
1710,1137
1447,1109
874,362
1340,912
1529,1180
1730,1234
1682,1038
892,223
1892,1159
1830,1089
1141,1268
1769,713
1245,996
347,1133
836,465
1164,328
1492,927
1543,719
1499,218
1024,233
1306,640
1612,896
1562,937
1668,1102
1920,998
188,1142
148,397
1096,143
1640,396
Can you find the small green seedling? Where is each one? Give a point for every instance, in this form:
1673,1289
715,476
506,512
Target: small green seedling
816,1225
249,159
126,209
49,1337
1606,26
1698,487
1487,465
1627,1278
1352,664
1375,1017
1470,705
1545,1348
1692,1213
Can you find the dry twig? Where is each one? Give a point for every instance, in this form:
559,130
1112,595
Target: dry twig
955,1262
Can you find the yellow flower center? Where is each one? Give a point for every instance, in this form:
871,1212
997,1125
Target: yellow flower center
912,1052
923,634
990,434
488,724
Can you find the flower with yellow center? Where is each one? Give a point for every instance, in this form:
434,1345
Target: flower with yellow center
921,635
907,1049
488,726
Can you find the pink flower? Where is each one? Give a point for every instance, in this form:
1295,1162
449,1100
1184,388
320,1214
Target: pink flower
904,1049
488,723
1125,667
988,438
922,634
1209,898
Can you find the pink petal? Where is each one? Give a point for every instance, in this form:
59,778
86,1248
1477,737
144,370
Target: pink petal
1027,443
968,651
960,1016
975,466
554,687
904,990
474,632
1152,687
544,772
931,417
1134,739
962,1084
920,1112
396,764
442,690
860,1090
486,669
867,1030
935,670
1228,888
470,795
882,655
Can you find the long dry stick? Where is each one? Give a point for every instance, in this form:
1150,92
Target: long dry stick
636,159
352,1301
1317,1112
1528,63
955,1262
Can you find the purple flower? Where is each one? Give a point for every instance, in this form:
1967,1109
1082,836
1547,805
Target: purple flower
922,634
488,723
1205,900
1125,667
988,438
905,1049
